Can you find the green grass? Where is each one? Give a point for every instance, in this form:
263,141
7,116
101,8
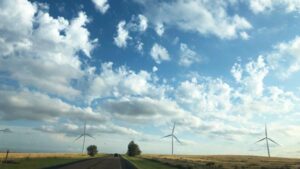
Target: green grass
37,163
142,163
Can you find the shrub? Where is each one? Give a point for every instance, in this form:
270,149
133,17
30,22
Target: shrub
92,150
133,149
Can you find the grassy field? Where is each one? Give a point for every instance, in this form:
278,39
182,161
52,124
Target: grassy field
40,160
142,163
227,162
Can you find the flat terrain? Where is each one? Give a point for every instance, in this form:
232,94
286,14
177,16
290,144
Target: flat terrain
43,155
39,160
225,161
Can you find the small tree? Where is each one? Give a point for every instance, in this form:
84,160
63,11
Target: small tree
133,149
92,150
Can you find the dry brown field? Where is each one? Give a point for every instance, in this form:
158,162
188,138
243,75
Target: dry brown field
42,155
226,161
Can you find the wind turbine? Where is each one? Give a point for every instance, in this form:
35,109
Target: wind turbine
267,140
172,136
6,130
83,135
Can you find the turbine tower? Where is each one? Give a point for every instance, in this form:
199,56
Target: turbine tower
172,136
83,135
267,140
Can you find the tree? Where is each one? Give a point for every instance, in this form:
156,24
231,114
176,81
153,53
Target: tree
133,149
92,150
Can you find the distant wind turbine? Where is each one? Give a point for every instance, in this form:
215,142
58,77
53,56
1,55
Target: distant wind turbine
172,136
83,135
6,130
267,140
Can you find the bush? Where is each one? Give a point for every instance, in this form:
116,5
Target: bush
133,149
92,150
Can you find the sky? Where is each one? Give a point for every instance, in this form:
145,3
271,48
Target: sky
220,70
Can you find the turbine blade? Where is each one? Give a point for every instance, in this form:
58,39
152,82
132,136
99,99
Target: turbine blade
177,139
173,128
273,141
167,136
78,137
89,135
260,140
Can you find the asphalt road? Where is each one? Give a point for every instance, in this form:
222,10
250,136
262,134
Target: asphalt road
109,162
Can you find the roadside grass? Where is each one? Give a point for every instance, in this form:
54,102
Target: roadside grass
37,163
40,160
142,163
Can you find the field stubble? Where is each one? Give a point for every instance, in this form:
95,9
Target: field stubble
226,162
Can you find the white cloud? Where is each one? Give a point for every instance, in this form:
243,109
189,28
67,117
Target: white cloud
122,82
284,59
122,35
143,109
211,96
256,72
204,17
143,25
29,105
160,29
187,56
25,53
159,53
73,130
154,69
262,6
101,5
237,72
244,35
139,46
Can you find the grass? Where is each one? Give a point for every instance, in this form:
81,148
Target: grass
142,163
37,163
40,160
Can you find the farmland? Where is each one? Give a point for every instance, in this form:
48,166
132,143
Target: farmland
224,161
39,160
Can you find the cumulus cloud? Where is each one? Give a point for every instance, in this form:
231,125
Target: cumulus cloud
25,53
143,24
187,56
159,53
122,35
16,105
73,130
101,5
160,29
143,109
203,17
211,96
262,6
284,59
122,82
136,24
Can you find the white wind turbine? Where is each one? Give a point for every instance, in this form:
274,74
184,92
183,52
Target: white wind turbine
83,135
267,140
173,136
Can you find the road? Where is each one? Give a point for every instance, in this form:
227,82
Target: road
109,162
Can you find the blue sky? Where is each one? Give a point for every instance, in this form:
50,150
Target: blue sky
219,69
